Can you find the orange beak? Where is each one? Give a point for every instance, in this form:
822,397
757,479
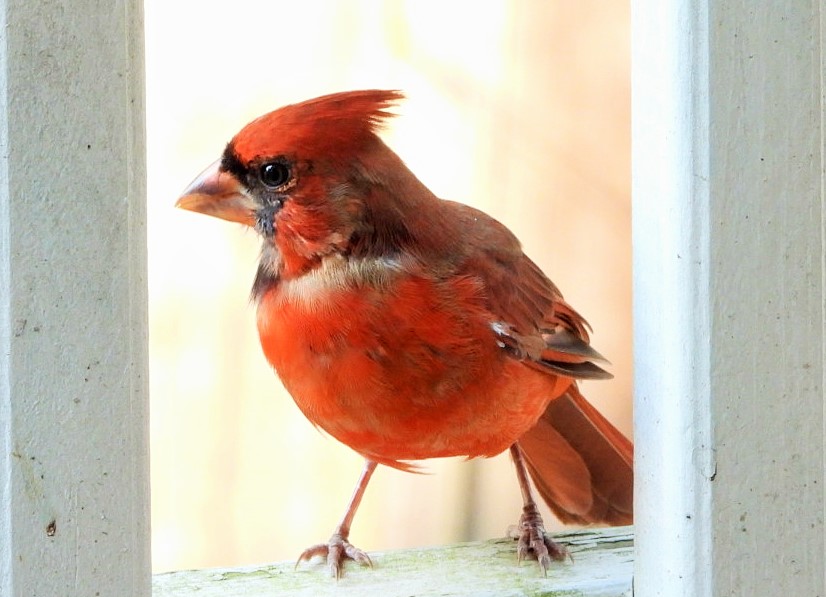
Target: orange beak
218,193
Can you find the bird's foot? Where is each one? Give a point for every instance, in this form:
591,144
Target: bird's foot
534,542
336,551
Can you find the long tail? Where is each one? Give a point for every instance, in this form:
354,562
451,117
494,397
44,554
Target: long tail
581,465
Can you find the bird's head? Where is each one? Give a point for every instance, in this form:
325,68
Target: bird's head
301,176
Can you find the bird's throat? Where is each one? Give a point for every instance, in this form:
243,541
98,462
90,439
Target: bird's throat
265,220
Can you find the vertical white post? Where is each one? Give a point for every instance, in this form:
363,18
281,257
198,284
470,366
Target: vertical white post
74,515
728,235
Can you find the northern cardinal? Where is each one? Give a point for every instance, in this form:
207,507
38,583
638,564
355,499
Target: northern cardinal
410,327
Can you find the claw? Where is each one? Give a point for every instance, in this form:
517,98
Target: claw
534,542
336,551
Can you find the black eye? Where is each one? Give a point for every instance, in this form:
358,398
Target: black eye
274,174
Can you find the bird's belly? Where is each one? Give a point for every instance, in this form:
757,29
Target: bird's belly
402,375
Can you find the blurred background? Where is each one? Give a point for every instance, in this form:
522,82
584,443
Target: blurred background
520,108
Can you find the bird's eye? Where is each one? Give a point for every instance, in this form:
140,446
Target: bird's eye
274,174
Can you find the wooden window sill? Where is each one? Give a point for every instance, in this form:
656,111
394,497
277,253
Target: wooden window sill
602,566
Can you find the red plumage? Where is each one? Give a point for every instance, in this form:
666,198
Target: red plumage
409,327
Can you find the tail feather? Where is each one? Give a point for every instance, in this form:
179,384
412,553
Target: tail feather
581,465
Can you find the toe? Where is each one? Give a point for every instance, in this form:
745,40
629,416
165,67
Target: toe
336,551
534,543
357,555
321,549
557,552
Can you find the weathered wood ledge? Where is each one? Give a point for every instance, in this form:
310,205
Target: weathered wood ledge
602,566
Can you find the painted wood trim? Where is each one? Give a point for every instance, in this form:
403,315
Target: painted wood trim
602,566
728,232
74,485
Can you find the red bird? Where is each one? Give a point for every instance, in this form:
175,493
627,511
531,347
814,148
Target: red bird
411,327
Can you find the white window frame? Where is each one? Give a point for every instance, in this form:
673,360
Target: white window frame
728,176
74,453
728,233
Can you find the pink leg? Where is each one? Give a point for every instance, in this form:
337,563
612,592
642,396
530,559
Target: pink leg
530,532
338,548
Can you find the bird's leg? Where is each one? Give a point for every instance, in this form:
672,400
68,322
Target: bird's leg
533,541
338,548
